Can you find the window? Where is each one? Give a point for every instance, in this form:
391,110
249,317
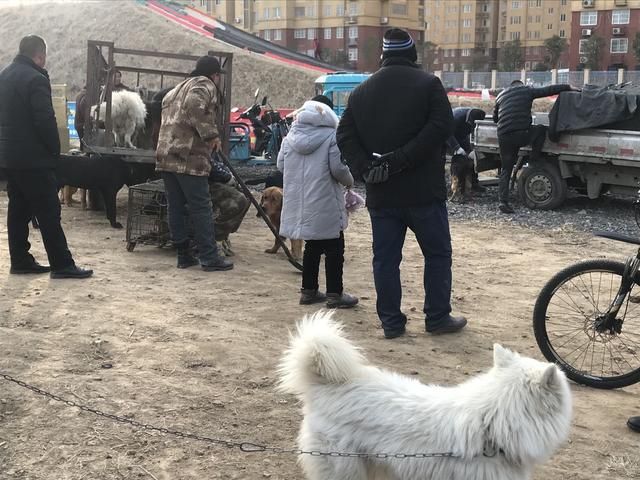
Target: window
550,10
327,10
550,26
311,34
399,8
299,11
620,17
340,10
466,52
466,23
452,9
530,19
466,37
529,35
446,52
339,32
538,18
619,45
218,2
353,54
467,8
353,32
485,7
514,35
310,12
563,2
515,20
267,34
588,18
353,10
277,34
327,34
276,12
581,46
515,4
536,34
299,33
563,34
563,17
485,22
265,15
527,65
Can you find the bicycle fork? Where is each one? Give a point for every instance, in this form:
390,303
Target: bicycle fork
608,322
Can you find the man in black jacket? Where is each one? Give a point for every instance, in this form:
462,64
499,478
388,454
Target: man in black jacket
512,113
392,135
460,148
29,148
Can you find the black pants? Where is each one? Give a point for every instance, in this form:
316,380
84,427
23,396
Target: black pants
510,145
333,251
34,193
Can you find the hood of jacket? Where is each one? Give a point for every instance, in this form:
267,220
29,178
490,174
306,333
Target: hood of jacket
315,123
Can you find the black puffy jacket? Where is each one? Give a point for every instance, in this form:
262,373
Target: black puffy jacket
28,129
513,106
399,108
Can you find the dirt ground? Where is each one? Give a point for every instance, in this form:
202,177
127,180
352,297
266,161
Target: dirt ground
198,351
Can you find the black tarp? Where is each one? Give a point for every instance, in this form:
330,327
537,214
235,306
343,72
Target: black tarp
596,107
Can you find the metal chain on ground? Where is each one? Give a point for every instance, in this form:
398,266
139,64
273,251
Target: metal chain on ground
247,447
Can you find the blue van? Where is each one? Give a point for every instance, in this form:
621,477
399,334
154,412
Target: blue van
337,86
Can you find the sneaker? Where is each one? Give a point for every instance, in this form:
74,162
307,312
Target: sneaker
344,300
33,267
218,265
450,325
634,424
310,297
506,208
71,272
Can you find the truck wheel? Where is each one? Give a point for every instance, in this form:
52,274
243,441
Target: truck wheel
540,186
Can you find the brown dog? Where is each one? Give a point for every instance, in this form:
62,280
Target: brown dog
271,203
66,196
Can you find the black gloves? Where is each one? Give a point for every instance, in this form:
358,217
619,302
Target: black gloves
385,165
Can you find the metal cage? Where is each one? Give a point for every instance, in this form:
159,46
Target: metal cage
147,215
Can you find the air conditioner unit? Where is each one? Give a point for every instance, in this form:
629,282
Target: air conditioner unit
352,19
588,3
617,31
586,32
584,59
384,20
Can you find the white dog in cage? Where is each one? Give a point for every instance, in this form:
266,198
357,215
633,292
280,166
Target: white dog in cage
128,113
496,426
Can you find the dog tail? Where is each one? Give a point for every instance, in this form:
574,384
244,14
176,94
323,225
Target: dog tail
318,354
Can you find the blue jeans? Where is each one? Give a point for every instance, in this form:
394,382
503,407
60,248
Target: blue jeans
189,197
430,224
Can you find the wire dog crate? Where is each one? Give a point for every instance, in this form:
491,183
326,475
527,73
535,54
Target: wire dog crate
147,215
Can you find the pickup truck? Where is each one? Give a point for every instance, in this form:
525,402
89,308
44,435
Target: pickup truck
591,161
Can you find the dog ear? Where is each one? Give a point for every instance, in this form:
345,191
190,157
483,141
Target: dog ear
502,357
549,376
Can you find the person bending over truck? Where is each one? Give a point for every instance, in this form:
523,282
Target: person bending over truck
512,113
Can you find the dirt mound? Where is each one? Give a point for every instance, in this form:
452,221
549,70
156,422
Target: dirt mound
67,27
539,105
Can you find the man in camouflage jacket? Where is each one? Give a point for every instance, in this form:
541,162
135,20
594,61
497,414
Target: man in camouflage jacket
188,135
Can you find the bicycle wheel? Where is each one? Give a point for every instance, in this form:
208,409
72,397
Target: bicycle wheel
564,322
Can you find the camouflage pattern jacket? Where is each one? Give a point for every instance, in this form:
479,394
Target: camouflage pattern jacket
188,123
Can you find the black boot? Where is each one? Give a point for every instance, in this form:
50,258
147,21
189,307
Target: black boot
185,255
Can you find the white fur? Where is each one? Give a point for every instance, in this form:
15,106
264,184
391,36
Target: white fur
521,407
128,112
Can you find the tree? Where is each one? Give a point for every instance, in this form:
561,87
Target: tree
429,53
555,46
511,56
636,47
591,50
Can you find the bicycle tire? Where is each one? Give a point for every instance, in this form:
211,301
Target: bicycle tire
545,343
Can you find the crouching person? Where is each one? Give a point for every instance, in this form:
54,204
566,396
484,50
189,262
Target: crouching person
313,202
188,135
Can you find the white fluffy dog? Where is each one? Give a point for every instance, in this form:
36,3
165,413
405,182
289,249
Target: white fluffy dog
128,112
499,425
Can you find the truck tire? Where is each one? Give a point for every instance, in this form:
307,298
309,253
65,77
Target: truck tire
541,186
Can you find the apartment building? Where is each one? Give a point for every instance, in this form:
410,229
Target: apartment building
469,34
347,33
614,24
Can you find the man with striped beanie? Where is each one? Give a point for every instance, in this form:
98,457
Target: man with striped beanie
392,135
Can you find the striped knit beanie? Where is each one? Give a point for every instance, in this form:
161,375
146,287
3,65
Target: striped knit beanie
398,43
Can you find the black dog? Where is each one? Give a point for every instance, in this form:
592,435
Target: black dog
104,173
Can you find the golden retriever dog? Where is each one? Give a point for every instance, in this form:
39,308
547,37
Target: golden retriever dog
66,196
271,203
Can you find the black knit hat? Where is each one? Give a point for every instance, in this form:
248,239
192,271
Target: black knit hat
398,43
207,66
323,99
